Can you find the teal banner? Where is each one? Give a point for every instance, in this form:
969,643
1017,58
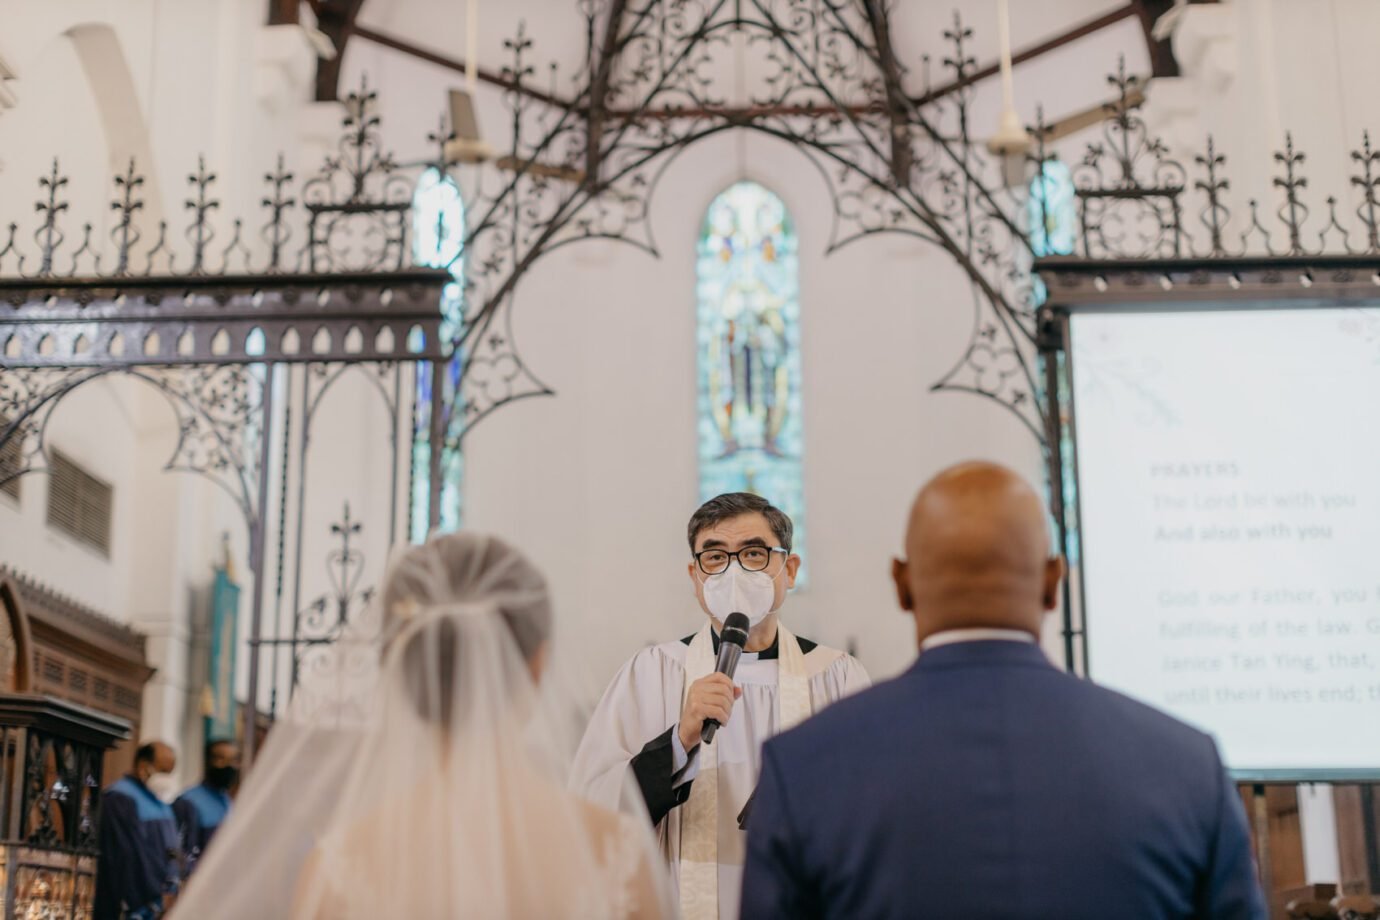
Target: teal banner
225,619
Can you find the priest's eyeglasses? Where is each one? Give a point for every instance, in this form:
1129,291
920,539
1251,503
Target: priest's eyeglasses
751,558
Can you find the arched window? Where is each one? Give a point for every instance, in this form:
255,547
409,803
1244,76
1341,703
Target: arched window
438,235
750,420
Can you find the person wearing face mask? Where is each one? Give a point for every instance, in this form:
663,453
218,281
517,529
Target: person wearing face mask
202,809
650,720
140,858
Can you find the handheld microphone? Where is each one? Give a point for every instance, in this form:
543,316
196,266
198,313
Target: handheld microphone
731,642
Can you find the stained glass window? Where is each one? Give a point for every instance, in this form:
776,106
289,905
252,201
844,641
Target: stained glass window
438,234
1053,210
750,421
1053,213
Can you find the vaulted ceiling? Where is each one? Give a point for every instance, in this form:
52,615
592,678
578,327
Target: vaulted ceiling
1061,46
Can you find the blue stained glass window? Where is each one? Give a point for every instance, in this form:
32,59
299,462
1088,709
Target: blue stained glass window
1053,212
438,235
751,431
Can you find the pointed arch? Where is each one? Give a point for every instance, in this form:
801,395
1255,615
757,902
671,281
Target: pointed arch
751,419
111,82
16,643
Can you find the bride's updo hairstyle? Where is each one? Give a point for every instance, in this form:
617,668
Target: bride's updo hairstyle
431,587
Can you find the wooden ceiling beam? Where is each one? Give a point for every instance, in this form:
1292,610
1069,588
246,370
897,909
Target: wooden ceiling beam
1083,30
336,19
457,65
1162,62
1146,11
1026,54
284,12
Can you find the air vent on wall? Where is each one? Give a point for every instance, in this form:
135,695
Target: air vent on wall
11,458
79,503
125,698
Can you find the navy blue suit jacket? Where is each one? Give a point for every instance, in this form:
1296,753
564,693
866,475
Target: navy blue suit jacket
986,783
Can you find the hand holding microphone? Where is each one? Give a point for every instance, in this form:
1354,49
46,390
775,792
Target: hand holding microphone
710,699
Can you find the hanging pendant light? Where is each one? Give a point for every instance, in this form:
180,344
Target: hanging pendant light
1011,142
465,144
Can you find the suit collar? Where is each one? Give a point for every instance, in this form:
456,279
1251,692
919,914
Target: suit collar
982,654
951,636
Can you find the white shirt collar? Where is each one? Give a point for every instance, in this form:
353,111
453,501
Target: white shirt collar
953,636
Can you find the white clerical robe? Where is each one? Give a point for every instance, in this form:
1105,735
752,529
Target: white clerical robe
634,729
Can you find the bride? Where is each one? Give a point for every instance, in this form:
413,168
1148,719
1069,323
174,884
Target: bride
421,775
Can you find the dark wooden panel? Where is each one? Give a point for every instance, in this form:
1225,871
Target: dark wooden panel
284,12
73,653
1273,812
1358,817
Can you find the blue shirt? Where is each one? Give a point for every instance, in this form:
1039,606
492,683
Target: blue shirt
140,852
200,811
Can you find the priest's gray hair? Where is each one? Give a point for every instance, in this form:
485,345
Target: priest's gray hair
470,569
734,504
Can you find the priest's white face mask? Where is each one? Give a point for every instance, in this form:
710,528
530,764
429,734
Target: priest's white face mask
740,591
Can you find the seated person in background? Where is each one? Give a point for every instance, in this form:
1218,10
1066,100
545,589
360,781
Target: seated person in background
139,866
201,809
647,726
984,783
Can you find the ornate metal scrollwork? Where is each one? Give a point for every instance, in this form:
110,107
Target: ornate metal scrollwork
218,411
1131,189
1134,197
894,165
203,310
350,217
60,780
314,644
358,202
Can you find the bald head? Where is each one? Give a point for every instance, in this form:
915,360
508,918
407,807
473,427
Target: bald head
154,757
978,553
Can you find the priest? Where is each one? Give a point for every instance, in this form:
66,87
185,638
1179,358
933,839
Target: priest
649,722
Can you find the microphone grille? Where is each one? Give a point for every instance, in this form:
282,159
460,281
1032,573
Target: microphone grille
735,628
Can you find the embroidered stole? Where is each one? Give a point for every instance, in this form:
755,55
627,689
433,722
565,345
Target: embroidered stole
699,816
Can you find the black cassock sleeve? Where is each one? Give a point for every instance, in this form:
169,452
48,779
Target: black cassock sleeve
125,874
654,768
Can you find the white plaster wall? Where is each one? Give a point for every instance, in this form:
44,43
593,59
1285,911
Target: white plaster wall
97,427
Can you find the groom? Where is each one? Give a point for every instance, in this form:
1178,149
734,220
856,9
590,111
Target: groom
985,778
646,729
